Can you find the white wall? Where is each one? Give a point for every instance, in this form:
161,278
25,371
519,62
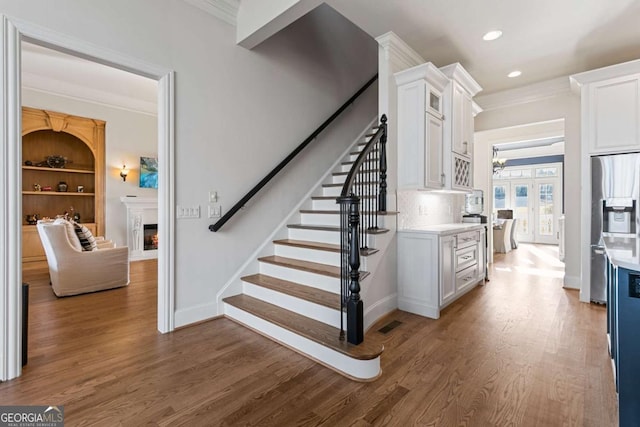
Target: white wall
564,105
238,112
128,136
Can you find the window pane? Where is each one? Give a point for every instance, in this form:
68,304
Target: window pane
499,197
542,172
521,212
545,209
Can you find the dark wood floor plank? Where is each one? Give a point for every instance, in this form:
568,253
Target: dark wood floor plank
518,351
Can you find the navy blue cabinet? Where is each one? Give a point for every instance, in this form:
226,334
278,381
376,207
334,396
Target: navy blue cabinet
624,329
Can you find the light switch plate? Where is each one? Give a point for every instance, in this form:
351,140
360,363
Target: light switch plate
213,196
188,212
215,211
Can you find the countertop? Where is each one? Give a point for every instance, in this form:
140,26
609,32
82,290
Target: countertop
442,229
623,251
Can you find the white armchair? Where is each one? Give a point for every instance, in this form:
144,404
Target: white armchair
74,271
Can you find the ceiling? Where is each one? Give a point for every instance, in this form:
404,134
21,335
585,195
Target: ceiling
542,38
56,72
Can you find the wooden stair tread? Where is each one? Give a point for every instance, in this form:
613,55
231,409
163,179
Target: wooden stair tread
311,329
320,246
336,212
341,184
332,228
307,293
311,267
367,161
347,173
335,197
308,245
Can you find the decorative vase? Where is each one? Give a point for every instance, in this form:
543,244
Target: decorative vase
62,186
32,219
76,217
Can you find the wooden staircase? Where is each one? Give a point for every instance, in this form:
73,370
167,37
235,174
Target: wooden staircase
294,298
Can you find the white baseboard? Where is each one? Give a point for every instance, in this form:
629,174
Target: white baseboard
378,309
571,282
195,314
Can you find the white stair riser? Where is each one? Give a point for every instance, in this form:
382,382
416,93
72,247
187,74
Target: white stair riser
319,281
324,205
369,189
332,237
330,219
338,179
306,308
361,369
353,157
305,254
368,165
320,219
321,236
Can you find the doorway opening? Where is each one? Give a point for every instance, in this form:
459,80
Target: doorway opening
12,36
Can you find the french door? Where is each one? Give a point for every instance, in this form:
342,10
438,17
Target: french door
534,193
547,210
521,196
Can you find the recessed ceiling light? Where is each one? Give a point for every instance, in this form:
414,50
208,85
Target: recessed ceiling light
515,73
492,35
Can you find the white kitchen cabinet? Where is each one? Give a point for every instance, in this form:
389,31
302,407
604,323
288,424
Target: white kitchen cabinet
458,129
435,269
613,115
420,127
610,102
447,249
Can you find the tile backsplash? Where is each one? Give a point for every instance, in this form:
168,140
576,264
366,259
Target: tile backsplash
421,208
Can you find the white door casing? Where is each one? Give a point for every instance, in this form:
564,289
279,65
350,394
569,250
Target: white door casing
13,32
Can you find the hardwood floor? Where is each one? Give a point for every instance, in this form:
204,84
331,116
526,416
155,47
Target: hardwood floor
519,351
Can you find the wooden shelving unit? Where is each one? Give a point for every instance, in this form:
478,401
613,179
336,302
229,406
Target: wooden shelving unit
81,142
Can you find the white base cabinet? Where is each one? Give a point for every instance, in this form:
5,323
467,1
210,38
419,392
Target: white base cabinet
435,269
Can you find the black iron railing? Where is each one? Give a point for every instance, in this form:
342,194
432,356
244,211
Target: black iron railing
363,198
231,212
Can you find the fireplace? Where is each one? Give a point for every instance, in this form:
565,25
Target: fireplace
142,227
150,237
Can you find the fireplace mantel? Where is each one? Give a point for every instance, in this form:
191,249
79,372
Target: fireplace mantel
141,211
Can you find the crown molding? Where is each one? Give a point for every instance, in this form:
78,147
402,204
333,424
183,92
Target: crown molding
91,95
428,72
459,74
604,73
524,94
398,51
227,10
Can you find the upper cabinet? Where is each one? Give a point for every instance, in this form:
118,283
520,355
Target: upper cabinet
420,127
435,127
458,130
610,99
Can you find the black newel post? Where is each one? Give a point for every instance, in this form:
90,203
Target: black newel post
355,322
382,194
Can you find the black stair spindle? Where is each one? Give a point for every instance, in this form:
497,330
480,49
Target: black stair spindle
356,221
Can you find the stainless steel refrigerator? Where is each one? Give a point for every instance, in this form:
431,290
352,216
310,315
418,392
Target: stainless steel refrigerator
615,193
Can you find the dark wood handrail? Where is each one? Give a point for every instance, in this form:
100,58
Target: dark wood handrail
231,212
355,168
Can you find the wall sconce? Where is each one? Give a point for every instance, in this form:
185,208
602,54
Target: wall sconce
498,164
124,172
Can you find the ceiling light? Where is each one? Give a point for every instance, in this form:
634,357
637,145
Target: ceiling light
515,73
492,35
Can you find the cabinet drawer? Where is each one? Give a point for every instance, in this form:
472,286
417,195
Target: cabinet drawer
468,238
466,277
466,257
